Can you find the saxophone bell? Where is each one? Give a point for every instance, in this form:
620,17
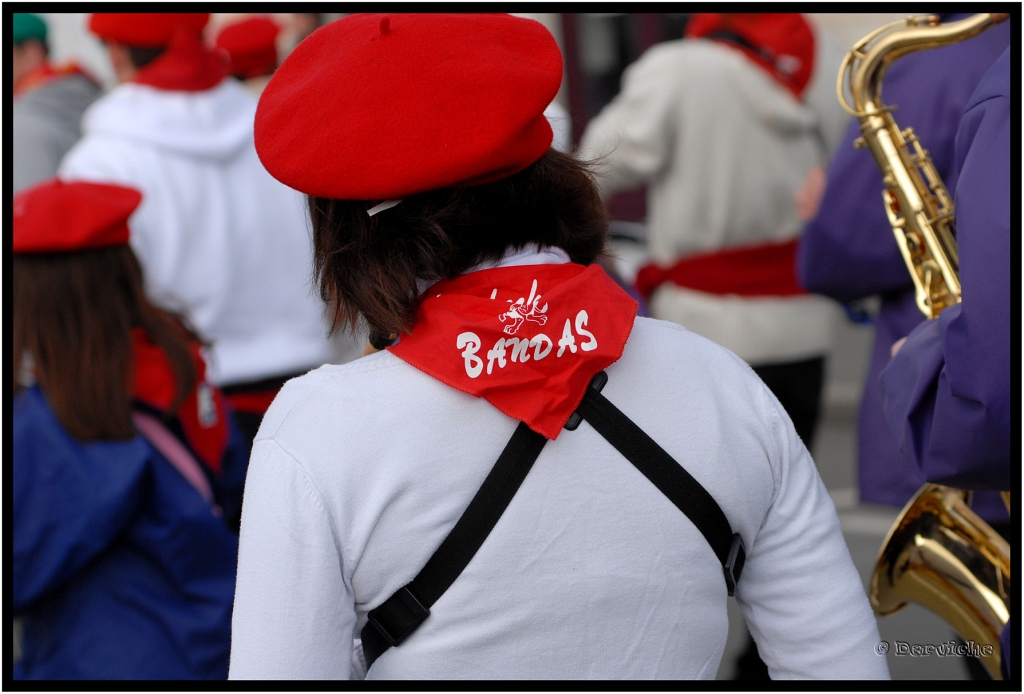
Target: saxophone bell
941,555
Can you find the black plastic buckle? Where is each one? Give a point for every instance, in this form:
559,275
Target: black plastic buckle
596,384
398,616
733,565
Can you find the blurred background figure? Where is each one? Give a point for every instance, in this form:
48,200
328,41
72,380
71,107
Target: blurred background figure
218,237
723,126
299,25
946,391
848,250
251,46
124,565
48,103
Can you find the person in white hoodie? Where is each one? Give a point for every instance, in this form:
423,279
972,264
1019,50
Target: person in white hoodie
723,126
219,238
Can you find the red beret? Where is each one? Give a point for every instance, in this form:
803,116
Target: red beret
55,216
782,44
251,45
385,106
145,30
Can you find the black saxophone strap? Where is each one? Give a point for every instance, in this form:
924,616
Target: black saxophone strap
397,617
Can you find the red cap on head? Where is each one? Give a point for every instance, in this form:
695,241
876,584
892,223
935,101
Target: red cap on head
251,45
54,216
145,30
385,106
782,44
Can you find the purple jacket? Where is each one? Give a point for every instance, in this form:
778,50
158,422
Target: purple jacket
947,391
848,252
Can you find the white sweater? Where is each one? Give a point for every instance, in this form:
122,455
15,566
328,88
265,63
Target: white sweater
359,472
722,149
218,238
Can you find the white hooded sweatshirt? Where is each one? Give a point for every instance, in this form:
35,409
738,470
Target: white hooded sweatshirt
218,238
722,149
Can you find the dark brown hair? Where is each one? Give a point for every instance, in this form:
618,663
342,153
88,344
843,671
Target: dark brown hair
74,313
141,57
367,267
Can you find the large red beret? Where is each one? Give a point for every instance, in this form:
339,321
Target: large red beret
251,46
145,30
385,106
54,216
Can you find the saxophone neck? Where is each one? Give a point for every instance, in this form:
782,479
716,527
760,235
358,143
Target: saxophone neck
866,64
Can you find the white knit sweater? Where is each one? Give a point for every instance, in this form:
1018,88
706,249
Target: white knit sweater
722,149
359,471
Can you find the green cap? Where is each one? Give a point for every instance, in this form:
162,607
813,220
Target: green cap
28,26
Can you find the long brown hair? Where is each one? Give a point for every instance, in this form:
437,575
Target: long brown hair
367,267
73,314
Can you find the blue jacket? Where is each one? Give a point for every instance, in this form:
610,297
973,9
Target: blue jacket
121,569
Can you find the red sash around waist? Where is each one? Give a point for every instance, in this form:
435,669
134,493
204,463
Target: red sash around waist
254,403
254,397
764,269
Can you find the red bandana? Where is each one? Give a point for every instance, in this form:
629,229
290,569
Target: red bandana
203,414
527,339
186,66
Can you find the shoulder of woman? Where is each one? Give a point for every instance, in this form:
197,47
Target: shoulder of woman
301,397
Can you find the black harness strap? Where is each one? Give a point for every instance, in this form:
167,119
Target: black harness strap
390,623
667,475
397,617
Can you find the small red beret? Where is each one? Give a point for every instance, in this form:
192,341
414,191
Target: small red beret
782,44
251,45
145,30
54,216
385,106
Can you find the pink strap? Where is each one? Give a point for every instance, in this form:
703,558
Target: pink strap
172,449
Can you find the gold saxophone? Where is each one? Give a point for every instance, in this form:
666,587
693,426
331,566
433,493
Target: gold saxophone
939,553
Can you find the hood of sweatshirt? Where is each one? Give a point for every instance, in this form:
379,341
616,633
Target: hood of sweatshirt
215,124
773,104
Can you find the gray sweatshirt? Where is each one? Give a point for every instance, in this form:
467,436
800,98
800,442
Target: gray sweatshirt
46,124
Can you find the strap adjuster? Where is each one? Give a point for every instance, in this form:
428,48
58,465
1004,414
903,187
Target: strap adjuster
733,565
398,616
596,384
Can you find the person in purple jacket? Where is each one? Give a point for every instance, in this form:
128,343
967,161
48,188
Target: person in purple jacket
848,251
946,391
